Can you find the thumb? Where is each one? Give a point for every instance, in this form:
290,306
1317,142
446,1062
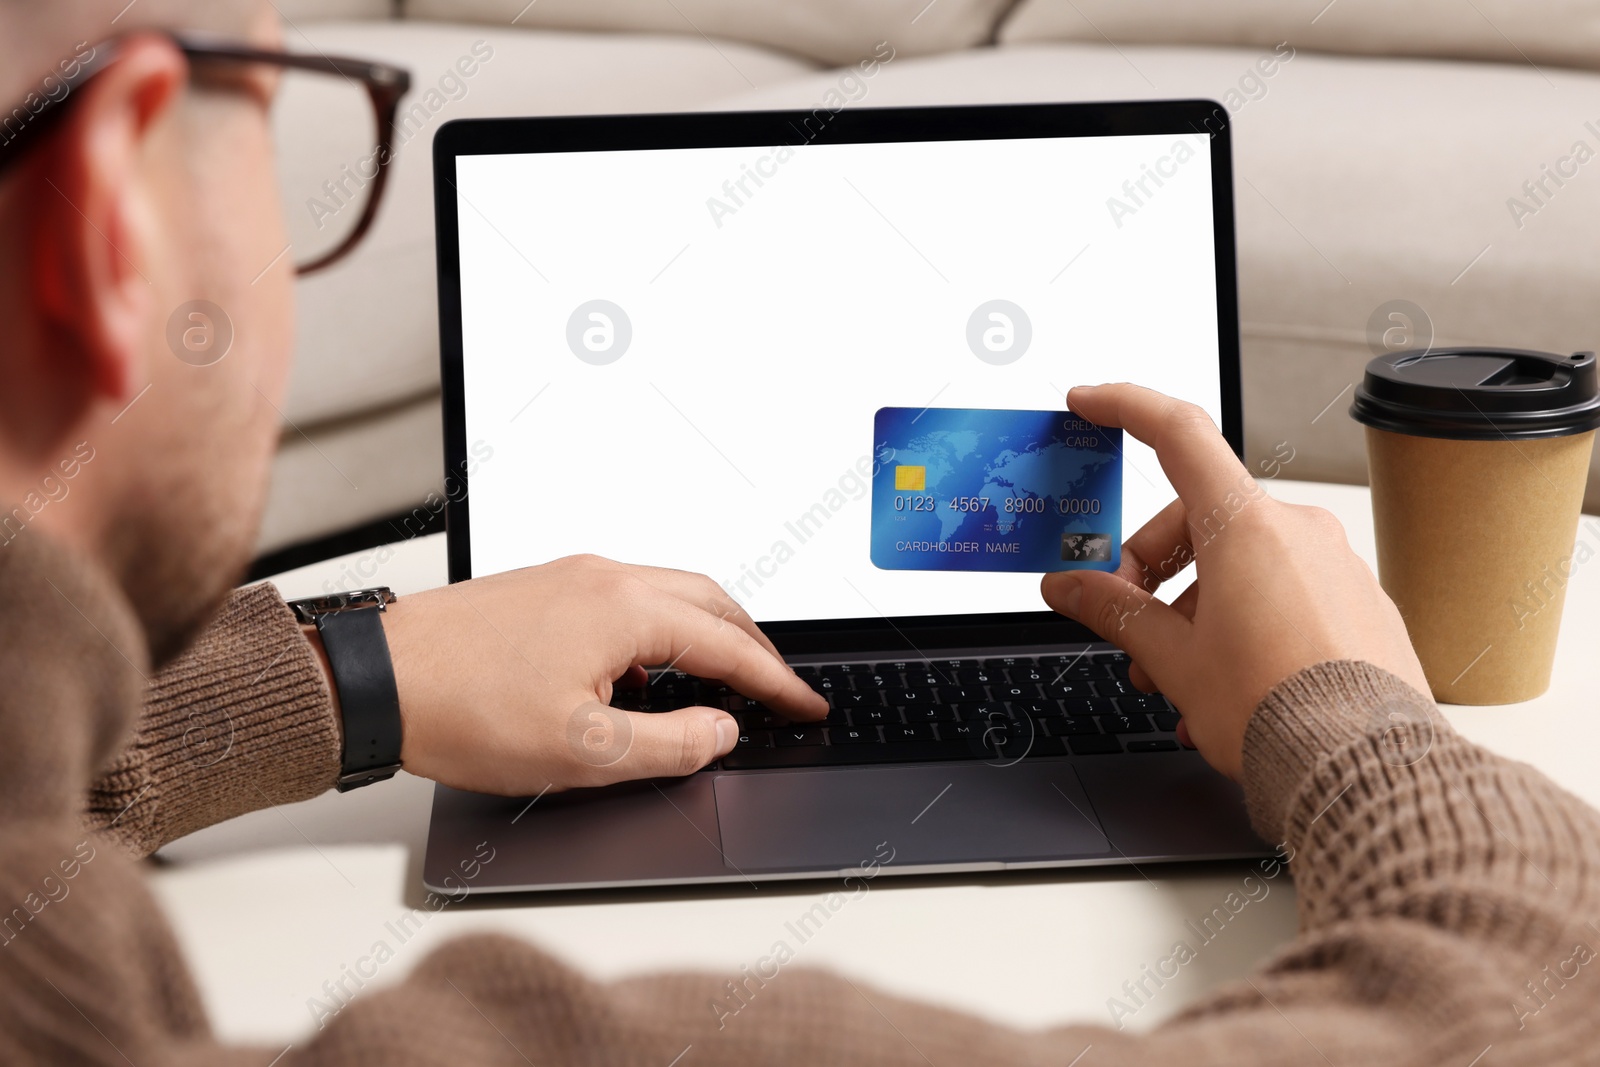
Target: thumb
1120,612
626,745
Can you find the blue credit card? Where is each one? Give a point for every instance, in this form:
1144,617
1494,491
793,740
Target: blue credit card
967,489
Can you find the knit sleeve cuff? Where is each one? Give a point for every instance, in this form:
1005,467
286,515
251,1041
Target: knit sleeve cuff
1312,714
241,721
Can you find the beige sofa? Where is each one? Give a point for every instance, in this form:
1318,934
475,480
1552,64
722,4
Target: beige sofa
1437,153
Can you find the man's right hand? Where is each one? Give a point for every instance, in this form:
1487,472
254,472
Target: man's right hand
1277,588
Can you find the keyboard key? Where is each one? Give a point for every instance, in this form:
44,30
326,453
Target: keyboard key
806,670
853,699
874,716
992,744
929,713
988,711
1068,689
1093,746
1028,674
1006,662
1089,706
924,679
908,732
798,735
960,694
762,720
1152,746
879,680
1034,709
907,696
1087,665
1072,727
1069,665
1166,721
1115,687
998,743
947,665
859,735
839,755
977,676
1126,724
1015,691
658,704
1142,702
755,739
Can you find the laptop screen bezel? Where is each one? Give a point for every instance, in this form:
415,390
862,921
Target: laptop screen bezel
602,133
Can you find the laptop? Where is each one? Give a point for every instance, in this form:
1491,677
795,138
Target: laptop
665,340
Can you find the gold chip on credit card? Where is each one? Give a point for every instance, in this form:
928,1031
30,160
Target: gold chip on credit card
911,479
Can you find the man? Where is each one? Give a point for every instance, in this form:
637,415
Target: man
1436,893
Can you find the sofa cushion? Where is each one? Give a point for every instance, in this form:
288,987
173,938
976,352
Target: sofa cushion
367,332
1561,32
1359,182
830,31
346,474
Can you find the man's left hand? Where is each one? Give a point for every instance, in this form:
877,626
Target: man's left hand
505,681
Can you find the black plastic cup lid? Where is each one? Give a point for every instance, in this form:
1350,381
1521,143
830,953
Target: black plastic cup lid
1480,394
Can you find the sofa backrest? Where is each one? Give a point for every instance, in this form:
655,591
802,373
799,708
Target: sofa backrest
296,11
833,32
1556,32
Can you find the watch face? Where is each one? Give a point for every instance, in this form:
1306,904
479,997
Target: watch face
308,609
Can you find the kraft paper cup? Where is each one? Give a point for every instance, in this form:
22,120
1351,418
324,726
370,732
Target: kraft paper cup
1478,459
1475,546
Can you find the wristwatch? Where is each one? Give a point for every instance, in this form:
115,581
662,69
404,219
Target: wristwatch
351,626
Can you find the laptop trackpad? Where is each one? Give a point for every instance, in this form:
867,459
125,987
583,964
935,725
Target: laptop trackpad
836,819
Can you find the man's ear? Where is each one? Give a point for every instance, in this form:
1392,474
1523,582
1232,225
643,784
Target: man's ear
97,238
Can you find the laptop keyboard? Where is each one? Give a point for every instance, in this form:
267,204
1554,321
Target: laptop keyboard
899,711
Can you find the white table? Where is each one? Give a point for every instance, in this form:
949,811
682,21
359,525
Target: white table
271,905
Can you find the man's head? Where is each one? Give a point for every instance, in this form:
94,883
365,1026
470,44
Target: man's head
147,194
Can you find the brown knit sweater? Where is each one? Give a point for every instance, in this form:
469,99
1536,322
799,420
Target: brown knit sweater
1447,907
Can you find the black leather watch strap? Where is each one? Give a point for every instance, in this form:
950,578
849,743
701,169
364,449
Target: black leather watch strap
369,703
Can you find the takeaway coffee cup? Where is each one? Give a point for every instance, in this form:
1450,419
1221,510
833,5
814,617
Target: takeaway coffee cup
1478,459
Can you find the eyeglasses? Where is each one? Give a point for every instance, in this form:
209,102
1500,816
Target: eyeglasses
334,125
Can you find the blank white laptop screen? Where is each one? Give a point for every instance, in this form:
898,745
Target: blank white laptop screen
674,356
